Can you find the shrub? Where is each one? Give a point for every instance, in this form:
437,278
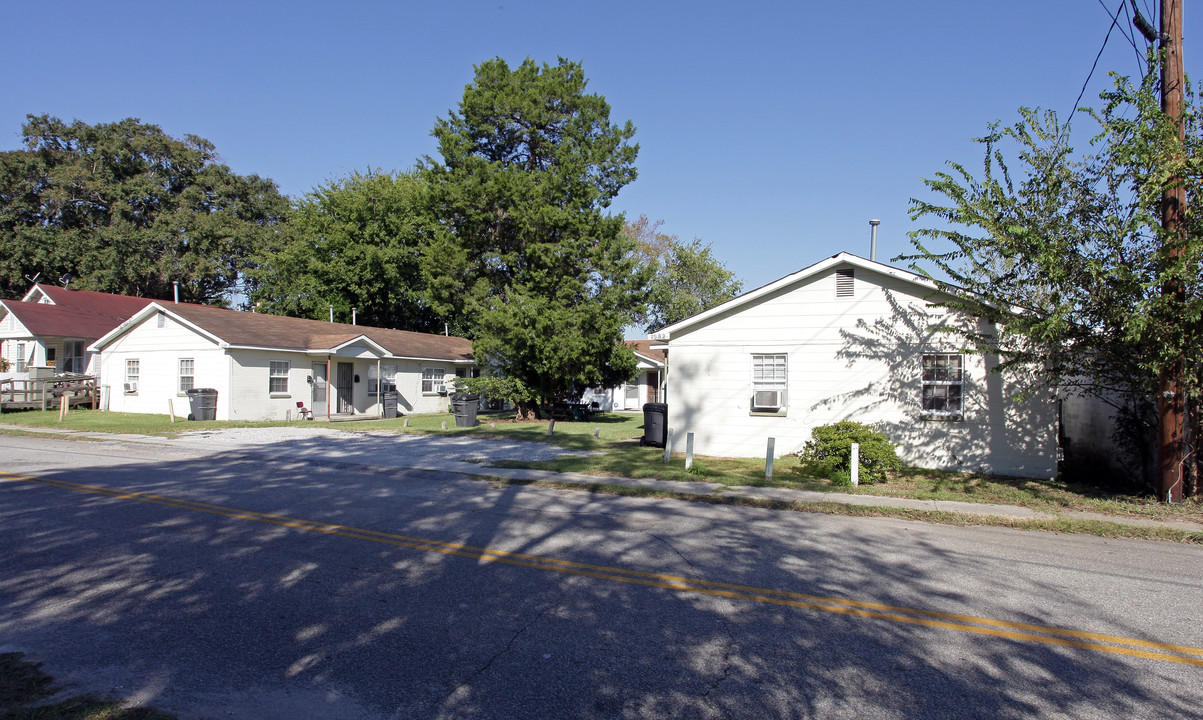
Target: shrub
830,450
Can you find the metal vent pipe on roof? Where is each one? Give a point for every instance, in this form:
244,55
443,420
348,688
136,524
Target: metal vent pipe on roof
873,239
331,313
352,316
175,286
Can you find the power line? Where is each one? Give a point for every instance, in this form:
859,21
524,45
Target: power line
1114,23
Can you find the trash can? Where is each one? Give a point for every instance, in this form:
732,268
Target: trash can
388,399
465,406
203,402
655,424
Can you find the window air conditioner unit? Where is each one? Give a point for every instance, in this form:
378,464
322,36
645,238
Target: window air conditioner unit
131,387
768,399
441,389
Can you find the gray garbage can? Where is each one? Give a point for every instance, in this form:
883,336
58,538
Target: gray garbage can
204,403
388,399
655,424
465,406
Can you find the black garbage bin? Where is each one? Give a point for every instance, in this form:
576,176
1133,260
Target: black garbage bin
465,406
655,424
203,402
388,401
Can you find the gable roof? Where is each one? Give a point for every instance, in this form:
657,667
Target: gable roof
844,258
643,349
49,311
121,307
234,329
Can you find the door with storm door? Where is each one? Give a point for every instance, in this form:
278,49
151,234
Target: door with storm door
345,385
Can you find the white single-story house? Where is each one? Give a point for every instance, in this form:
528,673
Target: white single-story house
270,367
49,330
851,339
647,385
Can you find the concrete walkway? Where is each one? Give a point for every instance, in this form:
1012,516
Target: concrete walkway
439,454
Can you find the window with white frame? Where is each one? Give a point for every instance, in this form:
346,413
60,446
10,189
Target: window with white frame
432,379
943,383
132,369
768,381
187,374
382,380
74,360
277,382
22,361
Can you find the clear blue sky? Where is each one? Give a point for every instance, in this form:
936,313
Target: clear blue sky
773,131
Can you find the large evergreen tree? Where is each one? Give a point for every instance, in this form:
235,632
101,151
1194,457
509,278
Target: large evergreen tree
125,208
354,244
526,258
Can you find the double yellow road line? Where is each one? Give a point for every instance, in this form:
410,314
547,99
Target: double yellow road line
1029,632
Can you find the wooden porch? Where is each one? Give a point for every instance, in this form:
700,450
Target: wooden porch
48,393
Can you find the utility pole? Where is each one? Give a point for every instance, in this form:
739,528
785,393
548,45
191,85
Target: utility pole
1172,403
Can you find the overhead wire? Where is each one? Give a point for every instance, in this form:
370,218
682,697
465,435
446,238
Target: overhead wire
1114,24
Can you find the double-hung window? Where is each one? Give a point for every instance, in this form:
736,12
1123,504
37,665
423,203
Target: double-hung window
943,382
187,374
384,381
432,379
768,382
277,383
132,370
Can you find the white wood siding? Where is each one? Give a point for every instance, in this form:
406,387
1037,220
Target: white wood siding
158,351
856,358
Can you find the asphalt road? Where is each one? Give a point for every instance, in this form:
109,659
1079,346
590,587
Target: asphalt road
222,583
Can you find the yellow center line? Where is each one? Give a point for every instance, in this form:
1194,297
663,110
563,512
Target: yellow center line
1031,632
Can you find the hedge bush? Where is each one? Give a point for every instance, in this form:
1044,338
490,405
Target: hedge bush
830,450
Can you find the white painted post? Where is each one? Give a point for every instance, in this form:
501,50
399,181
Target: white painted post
855,464
688,450
551,426
768,460
170,410
405,422
62,407
444,424
597,433
668,445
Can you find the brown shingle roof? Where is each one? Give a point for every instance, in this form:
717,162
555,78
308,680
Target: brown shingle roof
289,333
644,348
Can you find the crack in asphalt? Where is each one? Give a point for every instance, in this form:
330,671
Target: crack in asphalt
729,645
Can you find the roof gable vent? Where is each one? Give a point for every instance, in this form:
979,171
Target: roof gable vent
844,283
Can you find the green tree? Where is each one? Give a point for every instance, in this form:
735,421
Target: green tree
1067,252
686,278
354,243
127,209
526,256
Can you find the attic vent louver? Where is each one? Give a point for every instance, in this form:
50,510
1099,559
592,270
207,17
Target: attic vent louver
843,283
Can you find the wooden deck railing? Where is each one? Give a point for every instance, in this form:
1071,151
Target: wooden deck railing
47,393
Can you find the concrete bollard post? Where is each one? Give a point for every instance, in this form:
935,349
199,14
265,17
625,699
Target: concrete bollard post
768,460
597,433
444,424
688,450
405,422
668,445
551,426
855,464
170,410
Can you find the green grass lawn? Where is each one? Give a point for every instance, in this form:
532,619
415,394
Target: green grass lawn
620,455
26,692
